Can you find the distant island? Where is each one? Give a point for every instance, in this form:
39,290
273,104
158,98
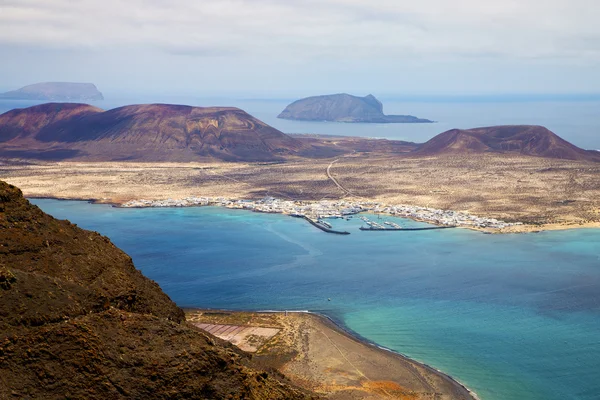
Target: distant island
343,108
55,91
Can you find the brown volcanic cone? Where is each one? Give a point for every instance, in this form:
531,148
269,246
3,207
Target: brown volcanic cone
529,140
24,123
77,320
157,132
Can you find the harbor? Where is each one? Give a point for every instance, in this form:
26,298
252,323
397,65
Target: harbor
324,209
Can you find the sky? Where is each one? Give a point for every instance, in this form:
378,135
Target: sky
277,48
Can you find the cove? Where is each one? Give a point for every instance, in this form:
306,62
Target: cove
510,316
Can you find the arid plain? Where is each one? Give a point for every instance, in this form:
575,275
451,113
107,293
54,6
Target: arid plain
543,193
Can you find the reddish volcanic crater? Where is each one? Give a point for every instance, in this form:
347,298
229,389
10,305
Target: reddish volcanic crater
179,133
152,132
531,140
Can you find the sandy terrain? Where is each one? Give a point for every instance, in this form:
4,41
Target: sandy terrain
543,193
247,338
315,354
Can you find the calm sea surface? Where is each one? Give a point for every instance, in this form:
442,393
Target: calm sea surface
510,316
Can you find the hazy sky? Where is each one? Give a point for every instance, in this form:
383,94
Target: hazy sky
295,47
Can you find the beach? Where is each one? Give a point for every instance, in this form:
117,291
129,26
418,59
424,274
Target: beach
316,354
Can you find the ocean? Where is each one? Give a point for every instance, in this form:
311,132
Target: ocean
510,316
573,118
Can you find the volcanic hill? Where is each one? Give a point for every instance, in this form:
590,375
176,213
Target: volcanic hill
55,91
152,132
531,140
343,108
78,320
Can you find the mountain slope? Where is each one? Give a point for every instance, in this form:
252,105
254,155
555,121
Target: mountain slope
77,320
152,132
55,91
529,140
23,124
343,108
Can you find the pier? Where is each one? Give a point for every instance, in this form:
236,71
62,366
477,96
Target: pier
324,228
392,226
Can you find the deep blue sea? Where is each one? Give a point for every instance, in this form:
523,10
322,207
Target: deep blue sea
510,316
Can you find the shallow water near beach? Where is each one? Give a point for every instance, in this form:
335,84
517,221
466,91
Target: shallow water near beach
509,316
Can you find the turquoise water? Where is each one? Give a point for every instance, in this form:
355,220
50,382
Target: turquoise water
510,316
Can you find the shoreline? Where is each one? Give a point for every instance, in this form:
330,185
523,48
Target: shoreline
514,229
340,328
358,337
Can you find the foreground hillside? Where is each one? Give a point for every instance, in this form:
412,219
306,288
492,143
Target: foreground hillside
528,140
151,132
78,320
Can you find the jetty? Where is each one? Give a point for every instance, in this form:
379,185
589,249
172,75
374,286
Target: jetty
392,226
324,228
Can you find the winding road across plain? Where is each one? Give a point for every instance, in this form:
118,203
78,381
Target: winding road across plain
333,179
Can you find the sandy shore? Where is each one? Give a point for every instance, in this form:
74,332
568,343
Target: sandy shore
316,354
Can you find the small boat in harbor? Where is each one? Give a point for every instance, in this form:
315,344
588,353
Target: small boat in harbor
327,224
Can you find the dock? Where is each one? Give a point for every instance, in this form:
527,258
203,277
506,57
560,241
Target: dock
324,228
392,226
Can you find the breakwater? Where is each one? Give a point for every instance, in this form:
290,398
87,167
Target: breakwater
324,228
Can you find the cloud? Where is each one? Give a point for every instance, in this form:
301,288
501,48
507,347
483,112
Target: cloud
308,29
304,46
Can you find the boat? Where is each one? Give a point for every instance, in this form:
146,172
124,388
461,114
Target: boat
327,224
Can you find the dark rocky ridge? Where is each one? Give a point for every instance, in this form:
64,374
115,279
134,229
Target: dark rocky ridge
343,108
151,132
55,91
77,320
531,140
